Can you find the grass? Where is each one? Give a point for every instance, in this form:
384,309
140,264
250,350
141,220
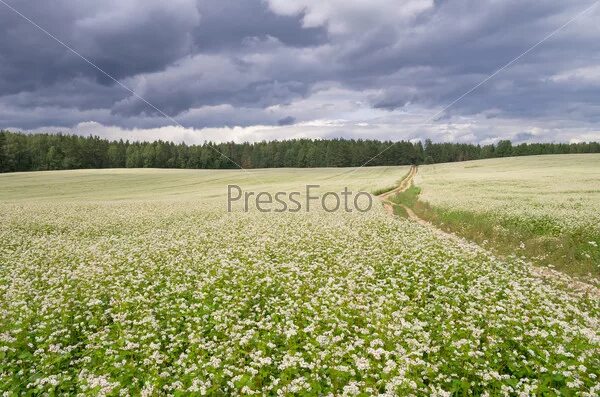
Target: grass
408,198
382,190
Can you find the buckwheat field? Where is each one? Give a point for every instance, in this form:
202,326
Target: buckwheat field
139,282
544,206
561,189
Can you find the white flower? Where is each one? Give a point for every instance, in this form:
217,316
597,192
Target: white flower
362,363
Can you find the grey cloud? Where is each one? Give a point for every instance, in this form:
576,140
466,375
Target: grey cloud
288,120
226,24
131,38
523,137
208,80
215,63
460,43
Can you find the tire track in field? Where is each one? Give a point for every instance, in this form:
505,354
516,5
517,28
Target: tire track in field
405,183
575,285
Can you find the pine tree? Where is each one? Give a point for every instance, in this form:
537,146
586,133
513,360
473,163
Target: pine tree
3,153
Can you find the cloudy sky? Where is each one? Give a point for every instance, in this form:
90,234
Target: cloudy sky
278,69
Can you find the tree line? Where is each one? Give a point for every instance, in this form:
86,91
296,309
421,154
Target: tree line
36,152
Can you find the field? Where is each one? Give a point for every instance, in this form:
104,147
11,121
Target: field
543,207
139,282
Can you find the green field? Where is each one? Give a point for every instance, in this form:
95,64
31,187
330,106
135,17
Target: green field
139,282
543,207
165,184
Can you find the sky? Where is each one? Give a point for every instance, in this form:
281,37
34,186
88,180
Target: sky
231,70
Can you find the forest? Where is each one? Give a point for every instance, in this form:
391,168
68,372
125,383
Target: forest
37,152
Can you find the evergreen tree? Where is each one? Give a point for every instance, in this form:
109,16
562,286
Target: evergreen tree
504,149
3,155
30,152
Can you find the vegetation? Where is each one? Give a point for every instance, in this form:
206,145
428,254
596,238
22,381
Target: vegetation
25,152
541,208
138,282
408,197
382,190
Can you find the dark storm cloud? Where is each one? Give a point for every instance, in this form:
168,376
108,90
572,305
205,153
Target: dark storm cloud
209,80
460,43
288,120
129,38
226,63
227,23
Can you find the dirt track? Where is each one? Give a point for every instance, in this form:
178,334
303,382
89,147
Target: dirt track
404,184
578,287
